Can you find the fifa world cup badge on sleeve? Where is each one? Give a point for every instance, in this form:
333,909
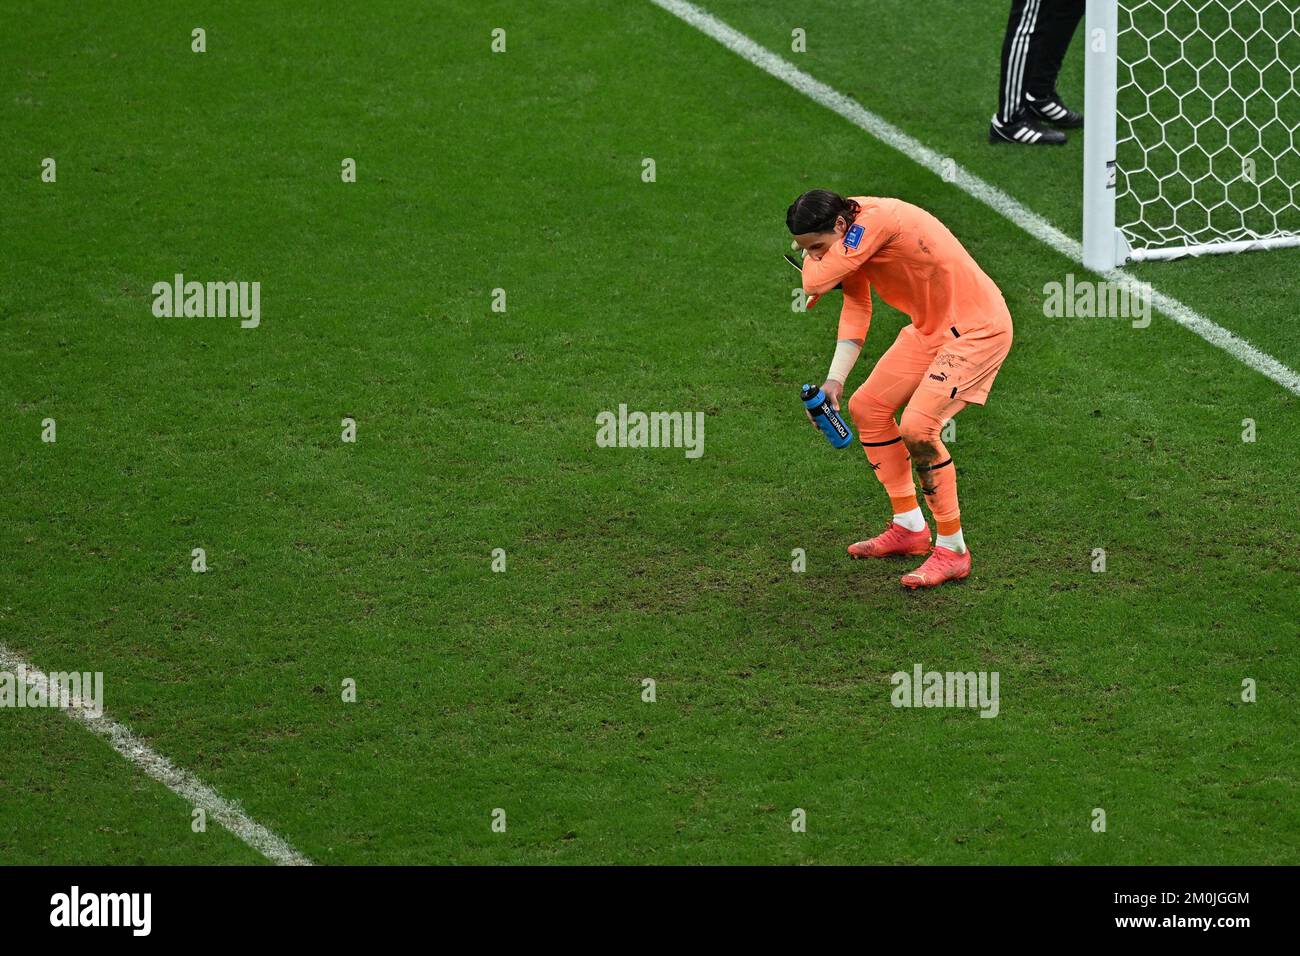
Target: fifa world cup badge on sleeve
827,418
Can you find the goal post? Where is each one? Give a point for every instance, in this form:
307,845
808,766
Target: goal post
1192,128
1101,240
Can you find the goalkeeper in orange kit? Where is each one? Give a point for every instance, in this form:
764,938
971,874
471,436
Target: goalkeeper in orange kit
945,359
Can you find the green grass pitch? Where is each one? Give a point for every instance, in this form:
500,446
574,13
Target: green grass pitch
522,690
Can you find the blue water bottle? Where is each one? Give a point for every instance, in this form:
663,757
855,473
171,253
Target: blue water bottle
826,417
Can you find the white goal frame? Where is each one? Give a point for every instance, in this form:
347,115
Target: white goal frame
1105,245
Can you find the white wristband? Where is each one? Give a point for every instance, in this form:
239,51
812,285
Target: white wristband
846,354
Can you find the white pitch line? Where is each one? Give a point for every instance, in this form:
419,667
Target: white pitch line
990,195
181,782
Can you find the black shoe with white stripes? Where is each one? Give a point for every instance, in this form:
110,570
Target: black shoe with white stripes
1050,109
1025,132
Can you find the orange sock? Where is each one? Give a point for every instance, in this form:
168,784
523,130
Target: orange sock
939,485
892,466
903,504
938,479
886,453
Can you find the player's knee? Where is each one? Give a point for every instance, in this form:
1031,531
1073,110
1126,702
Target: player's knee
923,452
921,435
869,414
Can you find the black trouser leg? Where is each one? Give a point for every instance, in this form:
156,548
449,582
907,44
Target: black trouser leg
1015,56
1057,22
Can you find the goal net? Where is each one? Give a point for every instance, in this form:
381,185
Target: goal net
1192,142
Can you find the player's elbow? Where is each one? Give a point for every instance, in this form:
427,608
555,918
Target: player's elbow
814,286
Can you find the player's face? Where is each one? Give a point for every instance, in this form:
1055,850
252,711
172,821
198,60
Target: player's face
817,244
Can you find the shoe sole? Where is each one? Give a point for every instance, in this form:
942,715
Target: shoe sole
892,554
995,139
917,587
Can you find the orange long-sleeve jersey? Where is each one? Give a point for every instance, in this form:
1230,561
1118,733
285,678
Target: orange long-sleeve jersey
915,264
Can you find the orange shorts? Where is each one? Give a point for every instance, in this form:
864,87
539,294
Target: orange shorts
934,377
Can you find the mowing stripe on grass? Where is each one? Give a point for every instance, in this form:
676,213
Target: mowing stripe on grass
181,782
990,195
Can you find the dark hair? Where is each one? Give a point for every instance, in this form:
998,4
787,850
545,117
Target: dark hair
816,211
